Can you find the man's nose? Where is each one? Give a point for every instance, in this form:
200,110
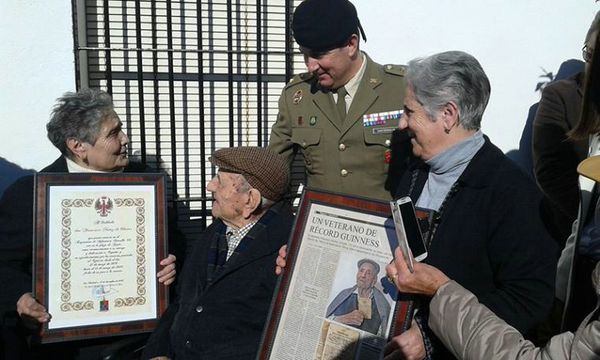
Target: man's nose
210,186
312,64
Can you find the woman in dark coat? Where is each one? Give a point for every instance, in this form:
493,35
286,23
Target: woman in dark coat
486,231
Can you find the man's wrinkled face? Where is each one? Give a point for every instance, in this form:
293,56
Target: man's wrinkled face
230,193
109,152
426,134
366,276
332,68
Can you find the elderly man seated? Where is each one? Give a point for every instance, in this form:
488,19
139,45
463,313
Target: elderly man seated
87,131
227,281
486,231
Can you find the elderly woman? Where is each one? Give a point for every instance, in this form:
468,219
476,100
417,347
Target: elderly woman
485,231
88,133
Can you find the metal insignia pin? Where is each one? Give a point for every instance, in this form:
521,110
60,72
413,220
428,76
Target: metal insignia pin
297,97
313,120
373,80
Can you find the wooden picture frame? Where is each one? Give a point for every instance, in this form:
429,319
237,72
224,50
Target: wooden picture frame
99,238
334,235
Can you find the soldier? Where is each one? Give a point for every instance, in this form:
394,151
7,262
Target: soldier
342,112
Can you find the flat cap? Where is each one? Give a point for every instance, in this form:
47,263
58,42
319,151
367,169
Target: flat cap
375,265
264,169
322,25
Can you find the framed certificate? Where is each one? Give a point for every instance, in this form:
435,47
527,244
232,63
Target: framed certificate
98,241
334,300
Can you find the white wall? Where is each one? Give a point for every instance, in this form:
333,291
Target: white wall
511,41
36,67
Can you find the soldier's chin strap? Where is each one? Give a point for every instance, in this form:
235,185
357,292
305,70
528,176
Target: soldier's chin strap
362,31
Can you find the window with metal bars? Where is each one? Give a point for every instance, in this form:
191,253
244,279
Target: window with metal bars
188,77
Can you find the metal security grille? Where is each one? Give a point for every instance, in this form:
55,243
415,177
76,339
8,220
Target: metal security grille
187,77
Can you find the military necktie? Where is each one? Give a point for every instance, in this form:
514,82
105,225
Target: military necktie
341,102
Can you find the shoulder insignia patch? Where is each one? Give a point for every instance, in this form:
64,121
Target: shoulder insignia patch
399,70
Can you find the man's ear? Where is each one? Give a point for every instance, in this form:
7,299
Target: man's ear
450,116
253,203
77,148
353,45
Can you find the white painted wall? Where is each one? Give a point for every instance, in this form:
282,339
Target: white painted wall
36,67
511,41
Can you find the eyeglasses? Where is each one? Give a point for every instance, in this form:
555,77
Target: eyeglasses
586,53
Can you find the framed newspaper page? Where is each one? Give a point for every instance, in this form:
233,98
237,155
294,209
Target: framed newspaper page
98,242
334,300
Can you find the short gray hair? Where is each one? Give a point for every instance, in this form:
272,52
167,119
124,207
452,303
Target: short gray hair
78,115
451,76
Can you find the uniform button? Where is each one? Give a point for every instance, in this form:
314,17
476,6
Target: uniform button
342,147
304,144
344,172
388,142
199,309
188,344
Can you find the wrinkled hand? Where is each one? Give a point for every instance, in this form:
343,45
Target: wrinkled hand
409,345
167,274
280,261
29,309
425,279
352,318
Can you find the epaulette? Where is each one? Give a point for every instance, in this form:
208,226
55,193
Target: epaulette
399,70
300,78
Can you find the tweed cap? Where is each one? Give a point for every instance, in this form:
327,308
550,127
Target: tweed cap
375,265
264,169
323,25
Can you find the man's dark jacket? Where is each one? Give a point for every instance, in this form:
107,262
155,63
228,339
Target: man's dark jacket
223,319
491,240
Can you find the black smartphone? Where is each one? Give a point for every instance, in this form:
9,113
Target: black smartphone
409,234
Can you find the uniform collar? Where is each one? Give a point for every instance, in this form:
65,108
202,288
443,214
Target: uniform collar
352,85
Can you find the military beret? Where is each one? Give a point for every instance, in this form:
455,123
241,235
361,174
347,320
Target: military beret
264,169
375,265
322,25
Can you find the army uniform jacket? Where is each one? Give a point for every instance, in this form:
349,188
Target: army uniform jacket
350,155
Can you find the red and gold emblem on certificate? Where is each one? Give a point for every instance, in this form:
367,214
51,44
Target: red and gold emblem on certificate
103,206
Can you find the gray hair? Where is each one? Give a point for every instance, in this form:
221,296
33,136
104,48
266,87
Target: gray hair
79,116
451,76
